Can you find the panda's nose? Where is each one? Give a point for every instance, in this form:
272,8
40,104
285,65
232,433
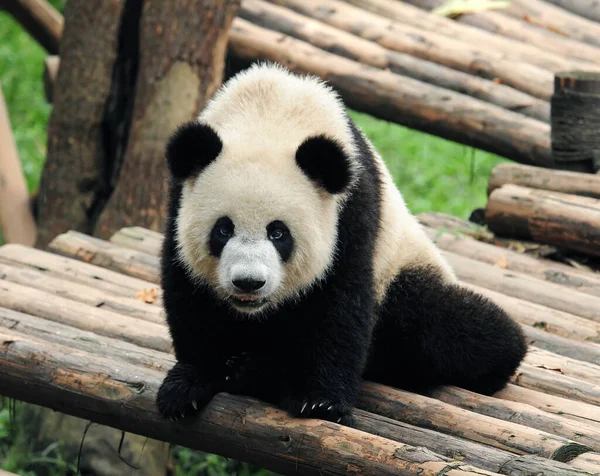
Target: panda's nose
248,285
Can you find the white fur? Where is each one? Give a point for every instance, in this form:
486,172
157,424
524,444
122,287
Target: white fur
262,116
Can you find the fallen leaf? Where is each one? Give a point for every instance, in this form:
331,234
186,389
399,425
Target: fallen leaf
454,8
502,262
147,295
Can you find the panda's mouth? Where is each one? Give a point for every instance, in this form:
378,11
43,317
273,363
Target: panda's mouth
247,300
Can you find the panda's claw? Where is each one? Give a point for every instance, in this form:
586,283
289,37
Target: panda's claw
303,407
195,405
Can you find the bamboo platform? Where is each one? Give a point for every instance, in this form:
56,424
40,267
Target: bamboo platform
82,332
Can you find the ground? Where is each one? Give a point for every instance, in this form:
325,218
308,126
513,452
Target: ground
433,175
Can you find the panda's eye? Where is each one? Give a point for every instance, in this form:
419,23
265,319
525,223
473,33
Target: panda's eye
276,234
225,231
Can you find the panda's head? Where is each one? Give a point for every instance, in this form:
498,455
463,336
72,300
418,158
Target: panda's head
264,175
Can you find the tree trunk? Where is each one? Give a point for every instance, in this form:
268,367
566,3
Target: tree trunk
77,158
16,218
182,51
573,183
39,18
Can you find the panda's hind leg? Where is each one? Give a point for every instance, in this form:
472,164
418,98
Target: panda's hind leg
431,332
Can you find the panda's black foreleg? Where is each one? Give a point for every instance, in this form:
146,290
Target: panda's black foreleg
432,333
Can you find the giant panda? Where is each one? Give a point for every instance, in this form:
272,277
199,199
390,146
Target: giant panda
292,268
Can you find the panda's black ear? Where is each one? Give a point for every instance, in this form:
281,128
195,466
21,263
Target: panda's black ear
324,161
191,148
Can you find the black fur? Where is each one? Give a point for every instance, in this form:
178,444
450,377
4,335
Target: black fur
191,148
309,356
325,162
220,234
285,244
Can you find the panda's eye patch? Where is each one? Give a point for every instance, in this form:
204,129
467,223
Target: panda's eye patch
279,234
220,234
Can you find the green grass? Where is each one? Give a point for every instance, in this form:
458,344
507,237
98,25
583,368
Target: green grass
433,175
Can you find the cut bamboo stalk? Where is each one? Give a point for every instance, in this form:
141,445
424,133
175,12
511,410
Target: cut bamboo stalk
424,411
76,271
431,46
350,46
399,99
530,53
51,64
587,433
575,183
123,396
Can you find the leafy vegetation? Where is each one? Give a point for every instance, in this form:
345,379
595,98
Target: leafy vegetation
433,174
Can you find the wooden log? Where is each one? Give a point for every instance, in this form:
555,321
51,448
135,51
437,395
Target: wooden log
589,462
76,166
102,253
555,383
586,8
587,433
54,332
575,121
100,321
340,42
41,20
138,238
411,15
503,25
578,369
563,220
584,351
433,414
565,407
522,286
51,65
16,218
468,452
574,183
76,271
181,62
80,293
121,395
427,45
546,270
555,19
400,99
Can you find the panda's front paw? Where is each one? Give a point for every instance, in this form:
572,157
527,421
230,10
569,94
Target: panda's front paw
183,392
322,407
